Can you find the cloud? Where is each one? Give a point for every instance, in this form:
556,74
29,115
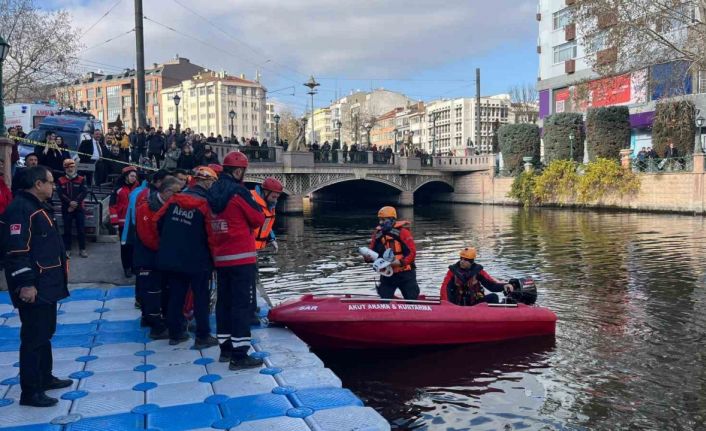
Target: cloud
290,39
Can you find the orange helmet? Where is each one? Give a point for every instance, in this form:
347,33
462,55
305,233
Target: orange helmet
273,185
205,173
387,212
218,169
236,159
468,253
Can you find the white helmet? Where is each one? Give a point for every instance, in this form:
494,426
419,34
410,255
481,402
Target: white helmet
382,267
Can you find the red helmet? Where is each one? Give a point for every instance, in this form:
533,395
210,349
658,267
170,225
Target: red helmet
236,159
272,184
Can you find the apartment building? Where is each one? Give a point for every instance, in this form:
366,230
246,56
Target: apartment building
110,96
207,99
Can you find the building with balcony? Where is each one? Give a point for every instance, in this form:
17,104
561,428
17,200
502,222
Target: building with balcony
207,99
109,96
270,121
567,81
450,127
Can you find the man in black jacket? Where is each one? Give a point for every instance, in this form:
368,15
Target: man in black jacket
155,146
36,273
184,256
72,191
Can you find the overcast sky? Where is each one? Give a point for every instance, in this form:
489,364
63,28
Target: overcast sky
425,48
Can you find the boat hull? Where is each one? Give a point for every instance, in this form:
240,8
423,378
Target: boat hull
359,323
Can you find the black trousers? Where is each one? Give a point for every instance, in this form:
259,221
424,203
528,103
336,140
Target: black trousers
126,251
38,326
234,308
77,217
178,284
152,293
406,281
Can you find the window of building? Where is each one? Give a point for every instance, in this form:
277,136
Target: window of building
564,52
99,92
193,118
202,91
597,42
192,92
127,101
244,91
210,89
702,81
212,115
148,85
561,18
91,93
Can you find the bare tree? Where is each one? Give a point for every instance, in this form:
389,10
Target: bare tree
524,103
288,127
625,35
43,52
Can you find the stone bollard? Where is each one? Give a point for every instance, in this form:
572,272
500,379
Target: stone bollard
625,159
528,163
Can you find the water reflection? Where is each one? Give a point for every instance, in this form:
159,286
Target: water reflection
628,290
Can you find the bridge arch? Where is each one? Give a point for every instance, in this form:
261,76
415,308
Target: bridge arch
434,181
334,181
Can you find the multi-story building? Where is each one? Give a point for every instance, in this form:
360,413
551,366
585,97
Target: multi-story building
207,100
383,133
410,125
323,126
270,121
450,126
109,96
568,82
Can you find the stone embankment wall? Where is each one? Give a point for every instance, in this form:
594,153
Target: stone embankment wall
677,192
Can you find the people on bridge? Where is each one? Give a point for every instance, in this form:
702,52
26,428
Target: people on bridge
396,236
465,280
235,215
266,196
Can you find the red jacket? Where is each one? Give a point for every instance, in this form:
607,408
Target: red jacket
5,195
147,238
119,203
461,285
400,240
234,216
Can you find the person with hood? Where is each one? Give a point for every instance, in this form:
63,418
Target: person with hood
149,278
395,235
119,201
184,259
72,191
208,156
465,280
171,157
234,217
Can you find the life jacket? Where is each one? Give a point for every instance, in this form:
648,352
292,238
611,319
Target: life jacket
391,240
262,233
468,288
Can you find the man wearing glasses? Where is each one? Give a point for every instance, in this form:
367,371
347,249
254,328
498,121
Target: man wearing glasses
36,273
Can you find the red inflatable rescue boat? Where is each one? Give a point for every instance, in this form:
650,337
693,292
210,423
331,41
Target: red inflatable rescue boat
358,322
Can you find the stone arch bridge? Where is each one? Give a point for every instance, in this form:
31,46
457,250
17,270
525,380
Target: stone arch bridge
303,174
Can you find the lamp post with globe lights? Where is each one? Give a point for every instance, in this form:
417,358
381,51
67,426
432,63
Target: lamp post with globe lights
698,148
231,115
177,100
276,118
4,50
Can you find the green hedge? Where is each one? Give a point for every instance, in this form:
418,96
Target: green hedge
557,129
608,131
517,141
675,120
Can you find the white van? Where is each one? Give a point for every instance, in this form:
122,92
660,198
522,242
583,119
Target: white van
27,115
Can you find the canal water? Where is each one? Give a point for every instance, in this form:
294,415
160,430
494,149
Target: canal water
628,289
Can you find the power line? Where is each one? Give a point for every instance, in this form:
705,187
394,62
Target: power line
109,40
397,79
213,46
252,49
101,18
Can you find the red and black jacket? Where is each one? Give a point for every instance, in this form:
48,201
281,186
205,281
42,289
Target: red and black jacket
72,189
183,236
400,240
119,201
147,238
465,286
234,217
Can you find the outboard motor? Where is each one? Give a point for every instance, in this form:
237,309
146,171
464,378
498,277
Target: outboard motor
525,291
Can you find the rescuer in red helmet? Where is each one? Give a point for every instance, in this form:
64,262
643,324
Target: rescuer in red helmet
266,196
235,215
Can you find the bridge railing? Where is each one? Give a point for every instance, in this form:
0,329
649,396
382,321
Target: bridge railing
459,163
255,154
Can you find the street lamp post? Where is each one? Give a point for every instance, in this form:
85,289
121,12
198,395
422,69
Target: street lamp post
276,118
4,50
368,127
231,115
338,130
698,148
395,131
312,84
177,100
571,146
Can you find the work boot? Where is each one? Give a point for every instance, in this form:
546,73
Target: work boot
183,337
128,272
205,342
138,304
225,356
244,362
38,399
83,253
57,383
157,334
68,254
